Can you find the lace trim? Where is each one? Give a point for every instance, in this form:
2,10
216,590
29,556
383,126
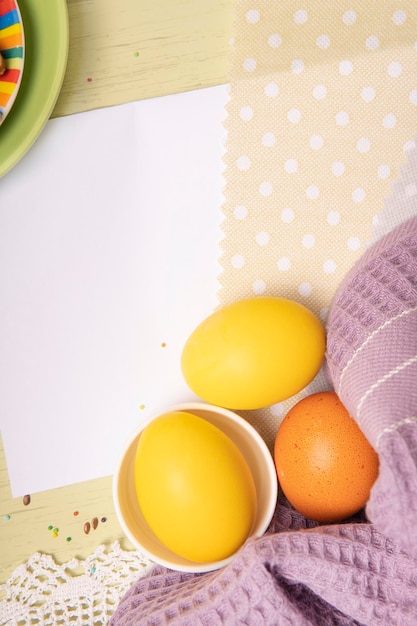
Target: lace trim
78,592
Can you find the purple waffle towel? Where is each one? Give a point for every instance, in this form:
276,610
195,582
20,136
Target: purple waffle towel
357,573
372,362
297,574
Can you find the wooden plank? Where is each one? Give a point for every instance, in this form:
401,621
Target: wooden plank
29,528
143,49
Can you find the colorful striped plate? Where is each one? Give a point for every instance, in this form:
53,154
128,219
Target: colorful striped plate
12,48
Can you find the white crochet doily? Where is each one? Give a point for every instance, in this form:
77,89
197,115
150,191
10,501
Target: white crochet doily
78,592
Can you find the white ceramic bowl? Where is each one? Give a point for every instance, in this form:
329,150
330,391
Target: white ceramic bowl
257,456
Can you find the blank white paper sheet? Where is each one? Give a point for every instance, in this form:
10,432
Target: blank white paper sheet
109,257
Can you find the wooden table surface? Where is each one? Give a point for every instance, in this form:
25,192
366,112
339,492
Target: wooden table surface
119,52
143,49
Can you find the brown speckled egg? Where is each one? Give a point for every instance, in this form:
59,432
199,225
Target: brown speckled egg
325,465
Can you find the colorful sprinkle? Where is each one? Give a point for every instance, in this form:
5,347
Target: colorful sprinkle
50,527
163,345
75,513
89,79
26,499
136,54
93,570
104,519
7,517
68,539
142,406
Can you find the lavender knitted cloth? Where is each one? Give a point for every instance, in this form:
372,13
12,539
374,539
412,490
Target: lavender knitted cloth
372,362
297,574
357,573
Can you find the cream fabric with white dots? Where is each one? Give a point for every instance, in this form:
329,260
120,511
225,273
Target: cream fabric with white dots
322,112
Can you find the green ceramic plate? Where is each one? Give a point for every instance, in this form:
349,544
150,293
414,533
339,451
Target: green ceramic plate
46,52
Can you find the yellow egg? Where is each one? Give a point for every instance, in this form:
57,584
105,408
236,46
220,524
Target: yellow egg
254,353
194,487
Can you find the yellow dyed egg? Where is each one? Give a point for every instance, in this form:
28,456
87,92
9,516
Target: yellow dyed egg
194,487
254,353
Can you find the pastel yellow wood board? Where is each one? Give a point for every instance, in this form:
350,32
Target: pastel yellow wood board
24,528
134,49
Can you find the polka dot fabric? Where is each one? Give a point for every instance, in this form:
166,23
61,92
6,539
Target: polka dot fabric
321,117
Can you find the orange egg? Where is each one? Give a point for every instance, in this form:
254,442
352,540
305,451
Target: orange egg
325,465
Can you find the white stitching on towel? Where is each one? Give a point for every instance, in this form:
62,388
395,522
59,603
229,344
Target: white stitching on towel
393,427
368,339
383,379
